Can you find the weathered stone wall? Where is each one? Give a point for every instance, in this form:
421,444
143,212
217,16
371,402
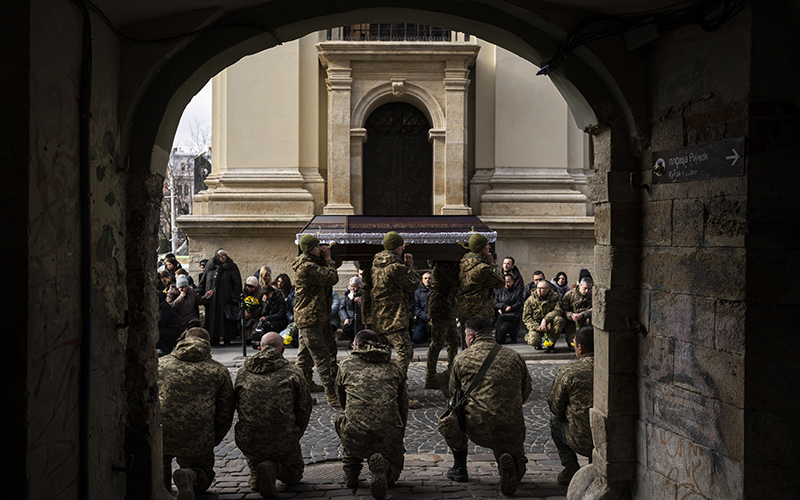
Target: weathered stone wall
691,369
54,252
772,408
14,147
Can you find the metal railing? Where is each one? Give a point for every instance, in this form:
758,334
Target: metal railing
395,32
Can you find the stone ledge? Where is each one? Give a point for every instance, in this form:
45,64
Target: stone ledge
578,227
213,225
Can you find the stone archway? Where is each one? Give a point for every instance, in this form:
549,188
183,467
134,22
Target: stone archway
585,83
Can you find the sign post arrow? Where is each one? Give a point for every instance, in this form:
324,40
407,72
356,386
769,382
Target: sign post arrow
725,158
734,157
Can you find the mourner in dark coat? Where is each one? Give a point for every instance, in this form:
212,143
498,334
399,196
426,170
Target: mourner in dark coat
222,275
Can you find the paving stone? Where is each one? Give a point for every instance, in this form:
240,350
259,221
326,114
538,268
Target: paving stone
427,456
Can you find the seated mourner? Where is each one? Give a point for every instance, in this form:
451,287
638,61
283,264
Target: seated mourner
508,304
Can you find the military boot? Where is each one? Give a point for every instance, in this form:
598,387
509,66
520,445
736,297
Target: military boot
267,475
185,480
565,476
458,472
314,387
378,484
333,400
431,383
168,477
351,481
508,474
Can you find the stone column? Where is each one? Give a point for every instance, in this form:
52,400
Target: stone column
615,305
358,136
437,136
339,85
455,179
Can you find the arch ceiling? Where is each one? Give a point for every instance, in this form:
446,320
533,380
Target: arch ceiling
582,79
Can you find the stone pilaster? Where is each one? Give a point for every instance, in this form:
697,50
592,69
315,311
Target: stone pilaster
455,194
339,84
358,136
437,137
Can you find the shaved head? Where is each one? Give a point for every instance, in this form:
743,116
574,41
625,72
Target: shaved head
274,340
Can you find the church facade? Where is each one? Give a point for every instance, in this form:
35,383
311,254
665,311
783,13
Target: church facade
355,121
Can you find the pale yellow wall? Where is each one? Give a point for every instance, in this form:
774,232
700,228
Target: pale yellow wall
530,114
484,105
308,102
261,88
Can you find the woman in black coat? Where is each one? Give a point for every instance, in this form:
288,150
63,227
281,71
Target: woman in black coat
223,277
273,315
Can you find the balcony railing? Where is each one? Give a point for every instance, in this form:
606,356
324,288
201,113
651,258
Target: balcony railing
396,32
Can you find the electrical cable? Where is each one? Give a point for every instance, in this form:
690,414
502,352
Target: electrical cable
664,20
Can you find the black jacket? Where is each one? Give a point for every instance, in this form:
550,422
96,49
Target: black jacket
420,309
274,312
504,297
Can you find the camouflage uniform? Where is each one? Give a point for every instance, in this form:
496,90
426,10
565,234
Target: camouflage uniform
535,310
441,311
570,398
574,302
272,394
494,410
392,281
373,394
197,403
478,280
312,310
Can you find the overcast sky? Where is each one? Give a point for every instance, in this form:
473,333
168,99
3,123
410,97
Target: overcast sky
200,108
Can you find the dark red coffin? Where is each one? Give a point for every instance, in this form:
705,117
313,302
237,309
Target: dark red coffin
360,237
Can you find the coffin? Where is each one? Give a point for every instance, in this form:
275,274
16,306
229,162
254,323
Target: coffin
360,237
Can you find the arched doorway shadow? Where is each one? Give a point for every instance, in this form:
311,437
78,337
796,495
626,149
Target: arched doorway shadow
398,162
585,83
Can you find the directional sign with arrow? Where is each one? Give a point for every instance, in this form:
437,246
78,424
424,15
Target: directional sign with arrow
703,161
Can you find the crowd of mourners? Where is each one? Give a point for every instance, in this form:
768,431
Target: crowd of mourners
474,304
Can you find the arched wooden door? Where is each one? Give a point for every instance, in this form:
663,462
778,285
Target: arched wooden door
398,162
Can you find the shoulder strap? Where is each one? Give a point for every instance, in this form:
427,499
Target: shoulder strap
484,368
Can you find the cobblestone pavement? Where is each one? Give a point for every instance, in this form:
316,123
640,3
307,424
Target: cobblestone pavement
427,455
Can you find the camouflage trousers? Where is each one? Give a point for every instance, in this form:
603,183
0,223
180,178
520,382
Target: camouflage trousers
352,460
285,474
558,434
401,342
203,465
457,441
571,329
554,329
318,347
444,333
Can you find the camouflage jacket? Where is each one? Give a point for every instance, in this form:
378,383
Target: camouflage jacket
574,302
196,397
274,406
313,282
494,408
537,308
392,282
571,397
477,281
442,301
373,394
